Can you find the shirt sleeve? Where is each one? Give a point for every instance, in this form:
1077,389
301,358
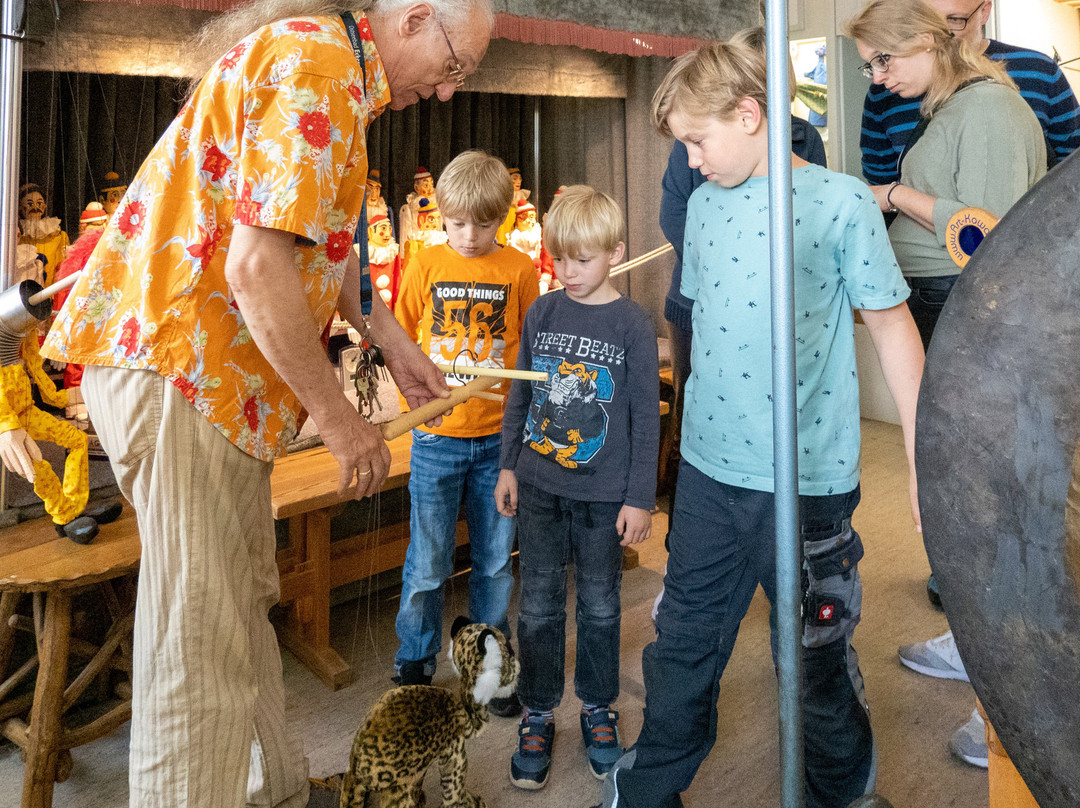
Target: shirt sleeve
1012,151
518,400
865,256
297,131
1062,124
409,307
878,154
641,357
677,186
689,283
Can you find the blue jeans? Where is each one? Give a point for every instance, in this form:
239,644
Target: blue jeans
443,472
552,531
722,547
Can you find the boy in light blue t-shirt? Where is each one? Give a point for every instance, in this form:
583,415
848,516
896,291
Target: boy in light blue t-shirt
722,542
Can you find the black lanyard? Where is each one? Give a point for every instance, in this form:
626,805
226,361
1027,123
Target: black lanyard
360,238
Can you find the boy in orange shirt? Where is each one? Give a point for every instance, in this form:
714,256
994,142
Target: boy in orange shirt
465,302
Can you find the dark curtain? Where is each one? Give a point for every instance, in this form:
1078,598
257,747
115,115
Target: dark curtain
76,127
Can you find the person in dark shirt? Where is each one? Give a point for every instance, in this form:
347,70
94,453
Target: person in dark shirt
888,119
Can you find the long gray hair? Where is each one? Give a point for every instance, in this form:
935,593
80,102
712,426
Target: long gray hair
219,35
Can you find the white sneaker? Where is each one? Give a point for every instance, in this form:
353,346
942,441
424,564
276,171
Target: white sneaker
969,742
937,657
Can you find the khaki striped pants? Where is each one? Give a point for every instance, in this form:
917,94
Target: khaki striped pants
208,725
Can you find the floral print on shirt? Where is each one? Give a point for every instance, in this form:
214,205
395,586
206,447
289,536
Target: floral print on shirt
274,136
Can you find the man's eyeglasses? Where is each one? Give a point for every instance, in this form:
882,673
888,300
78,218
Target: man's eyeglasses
960,23
879,64
457,74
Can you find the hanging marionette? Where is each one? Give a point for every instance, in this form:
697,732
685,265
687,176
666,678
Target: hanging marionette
40,231
423,188
428,230
22,424
526,237
384,259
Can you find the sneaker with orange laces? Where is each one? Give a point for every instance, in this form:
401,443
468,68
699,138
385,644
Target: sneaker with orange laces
531,762
600,733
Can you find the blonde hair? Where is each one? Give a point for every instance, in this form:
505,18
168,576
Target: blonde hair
893,26
219,35
582,220
476,185
710,82
755,38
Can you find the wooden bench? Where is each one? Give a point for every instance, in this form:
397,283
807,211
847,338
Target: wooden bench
52,570
304,492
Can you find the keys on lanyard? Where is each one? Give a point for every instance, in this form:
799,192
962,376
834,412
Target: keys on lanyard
370,370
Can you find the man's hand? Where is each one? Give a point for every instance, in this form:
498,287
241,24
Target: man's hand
506,493
416,377
633,524
19,453
361,454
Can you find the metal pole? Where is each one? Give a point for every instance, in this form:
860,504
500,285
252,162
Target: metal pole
11,25
785,453
11,53
536,152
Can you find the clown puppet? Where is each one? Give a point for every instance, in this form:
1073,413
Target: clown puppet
111,193
376,205
428,230
526,237
384,259
423,188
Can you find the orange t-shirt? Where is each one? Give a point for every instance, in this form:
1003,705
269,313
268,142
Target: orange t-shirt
469,311
273,137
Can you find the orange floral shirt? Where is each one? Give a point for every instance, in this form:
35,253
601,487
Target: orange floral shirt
274,137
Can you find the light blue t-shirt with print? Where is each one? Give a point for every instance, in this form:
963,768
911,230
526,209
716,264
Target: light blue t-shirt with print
843,261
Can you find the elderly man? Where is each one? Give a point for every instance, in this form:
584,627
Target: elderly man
888,119
198,318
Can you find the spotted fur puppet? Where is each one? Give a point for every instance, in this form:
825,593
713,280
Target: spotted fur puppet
412,726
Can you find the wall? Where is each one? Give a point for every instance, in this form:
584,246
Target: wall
1043,25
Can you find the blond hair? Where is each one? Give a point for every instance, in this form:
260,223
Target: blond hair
894,26
709,83
475,185
755,38
582,221
219,35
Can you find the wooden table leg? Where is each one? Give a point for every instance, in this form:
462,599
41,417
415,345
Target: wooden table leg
306,632
9,601
42,752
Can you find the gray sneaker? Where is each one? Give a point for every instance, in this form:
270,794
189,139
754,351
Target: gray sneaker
937,657
969,742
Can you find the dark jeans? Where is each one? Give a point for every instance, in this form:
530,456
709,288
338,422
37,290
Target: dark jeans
721,549
553,530
928,296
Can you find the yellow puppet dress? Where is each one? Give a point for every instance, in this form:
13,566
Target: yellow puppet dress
64,501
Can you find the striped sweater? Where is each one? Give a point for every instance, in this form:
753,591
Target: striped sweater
888,119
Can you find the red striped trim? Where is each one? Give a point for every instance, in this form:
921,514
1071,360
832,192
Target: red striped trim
526,29
561,32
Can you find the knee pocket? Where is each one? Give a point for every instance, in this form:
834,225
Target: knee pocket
832,603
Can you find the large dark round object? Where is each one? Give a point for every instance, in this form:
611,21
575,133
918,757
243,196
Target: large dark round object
997,428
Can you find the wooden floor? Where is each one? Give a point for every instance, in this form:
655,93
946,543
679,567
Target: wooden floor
913,716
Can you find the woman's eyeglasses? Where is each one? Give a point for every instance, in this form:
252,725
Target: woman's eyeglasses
879,64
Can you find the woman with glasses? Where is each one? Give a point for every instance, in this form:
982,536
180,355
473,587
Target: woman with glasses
977,143
980,144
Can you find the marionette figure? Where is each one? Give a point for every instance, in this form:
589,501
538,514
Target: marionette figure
428,230
384,259
93,217
78,255
502,235
29,264
22,424
111,193
546,269
526,237
376,205
40,231
520,194
423,188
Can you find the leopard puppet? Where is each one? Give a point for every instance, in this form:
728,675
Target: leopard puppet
411,726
